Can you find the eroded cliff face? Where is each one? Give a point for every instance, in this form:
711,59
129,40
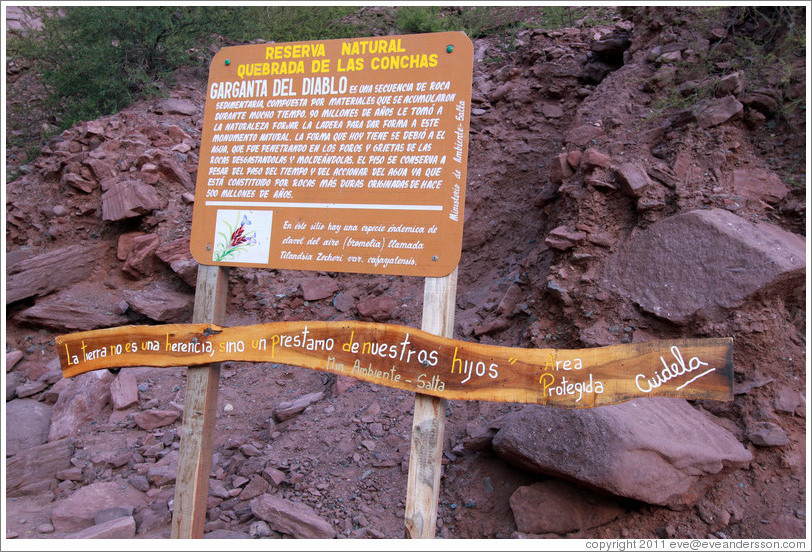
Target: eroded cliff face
607,166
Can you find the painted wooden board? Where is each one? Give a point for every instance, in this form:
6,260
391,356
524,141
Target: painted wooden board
414,360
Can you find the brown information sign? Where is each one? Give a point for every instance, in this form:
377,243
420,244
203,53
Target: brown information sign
414,360
338,155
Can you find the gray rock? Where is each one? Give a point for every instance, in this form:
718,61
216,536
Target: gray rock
660,451
291,518
673,268
27,425
575,508
35,276
34,470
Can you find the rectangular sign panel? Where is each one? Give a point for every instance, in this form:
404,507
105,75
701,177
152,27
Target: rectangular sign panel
339,155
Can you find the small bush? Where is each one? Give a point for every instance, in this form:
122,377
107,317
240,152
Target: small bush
97,60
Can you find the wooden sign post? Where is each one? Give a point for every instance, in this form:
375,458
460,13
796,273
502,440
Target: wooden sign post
350,156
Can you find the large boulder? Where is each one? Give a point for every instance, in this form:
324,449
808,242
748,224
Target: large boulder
657,450
674,268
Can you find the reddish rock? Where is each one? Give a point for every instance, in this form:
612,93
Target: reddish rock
767,434
555,506
673,268
633,179
162,474
179,258
30,388
787,400
129,199
717,111
27,424
289,409
594,158
12,358
100,167
786,526
584,134
344,302
291,518
79,182
379,308
81,399
177,106
161,303
563,238
34,470
153,419
560,169
81,307
255,487
119,528
315,289
141,257
124,390
78,511
759,184
125,244
660,451
34,276
574,159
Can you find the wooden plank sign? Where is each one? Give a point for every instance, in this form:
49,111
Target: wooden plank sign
414,360
345,155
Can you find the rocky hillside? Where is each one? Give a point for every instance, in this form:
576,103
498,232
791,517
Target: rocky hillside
627,182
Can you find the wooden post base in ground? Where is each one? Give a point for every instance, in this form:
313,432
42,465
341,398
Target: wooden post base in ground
428,426
199,413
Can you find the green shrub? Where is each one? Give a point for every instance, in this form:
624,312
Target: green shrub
97,60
